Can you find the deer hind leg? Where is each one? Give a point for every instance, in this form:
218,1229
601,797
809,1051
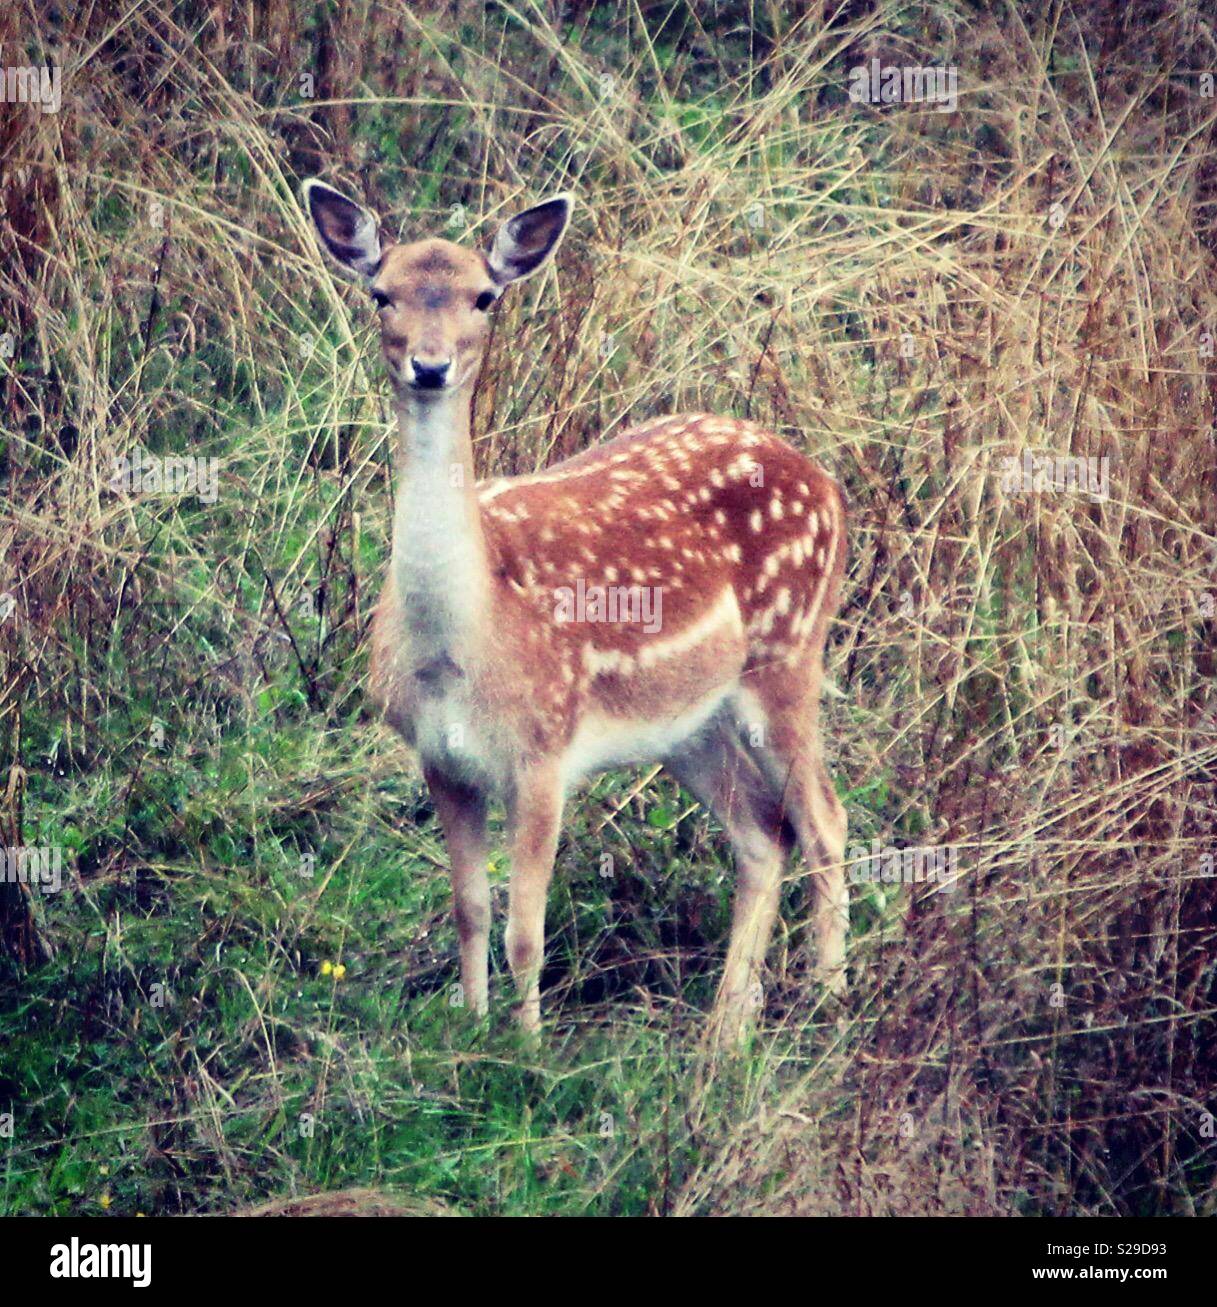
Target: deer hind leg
535,815
824,812
716,769
462,814
782,725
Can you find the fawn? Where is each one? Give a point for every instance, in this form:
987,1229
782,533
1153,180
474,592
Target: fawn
481,665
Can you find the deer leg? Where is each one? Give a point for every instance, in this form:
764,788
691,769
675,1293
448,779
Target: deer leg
819,818
716,770
830,916
535,812
784,731
462,814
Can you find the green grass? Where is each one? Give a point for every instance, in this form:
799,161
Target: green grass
182,686
186,1044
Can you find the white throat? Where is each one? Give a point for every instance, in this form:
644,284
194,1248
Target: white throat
439,552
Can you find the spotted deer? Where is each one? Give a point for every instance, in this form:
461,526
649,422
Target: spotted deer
491,652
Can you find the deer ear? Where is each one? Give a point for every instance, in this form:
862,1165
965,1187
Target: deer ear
348,232
524,243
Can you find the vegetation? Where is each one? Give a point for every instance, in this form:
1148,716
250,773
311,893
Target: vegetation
244,990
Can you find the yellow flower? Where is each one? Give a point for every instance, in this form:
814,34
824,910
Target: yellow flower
340,970
105,1200
326,968
104,1169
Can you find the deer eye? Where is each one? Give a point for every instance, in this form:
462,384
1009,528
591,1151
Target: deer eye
380,299
484,300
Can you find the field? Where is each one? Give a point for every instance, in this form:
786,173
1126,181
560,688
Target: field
241,989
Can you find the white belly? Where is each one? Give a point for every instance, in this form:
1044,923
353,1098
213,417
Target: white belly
602,742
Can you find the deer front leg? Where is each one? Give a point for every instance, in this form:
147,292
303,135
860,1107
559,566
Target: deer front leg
536,814
462,814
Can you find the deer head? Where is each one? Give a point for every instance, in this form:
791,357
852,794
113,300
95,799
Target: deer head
433,297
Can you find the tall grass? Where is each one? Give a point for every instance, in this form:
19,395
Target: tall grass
911,296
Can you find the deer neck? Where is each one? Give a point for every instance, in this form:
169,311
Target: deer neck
439,551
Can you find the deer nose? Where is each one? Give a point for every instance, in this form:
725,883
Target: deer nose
429,375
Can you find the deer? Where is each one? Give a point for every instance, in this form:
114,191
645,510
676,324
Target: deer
511,694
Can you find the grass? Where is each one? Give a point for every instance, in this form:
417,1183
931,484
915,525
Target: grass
243,994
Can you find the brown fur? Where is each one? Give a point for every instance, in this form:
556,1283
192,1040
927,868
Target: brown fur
479,660
425,278
636,511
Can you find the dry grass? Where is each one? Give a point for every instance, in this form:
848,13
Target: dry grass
350,1202
909,295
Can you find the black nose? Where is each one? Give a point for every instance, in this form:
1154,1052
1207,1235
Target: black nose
429,376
